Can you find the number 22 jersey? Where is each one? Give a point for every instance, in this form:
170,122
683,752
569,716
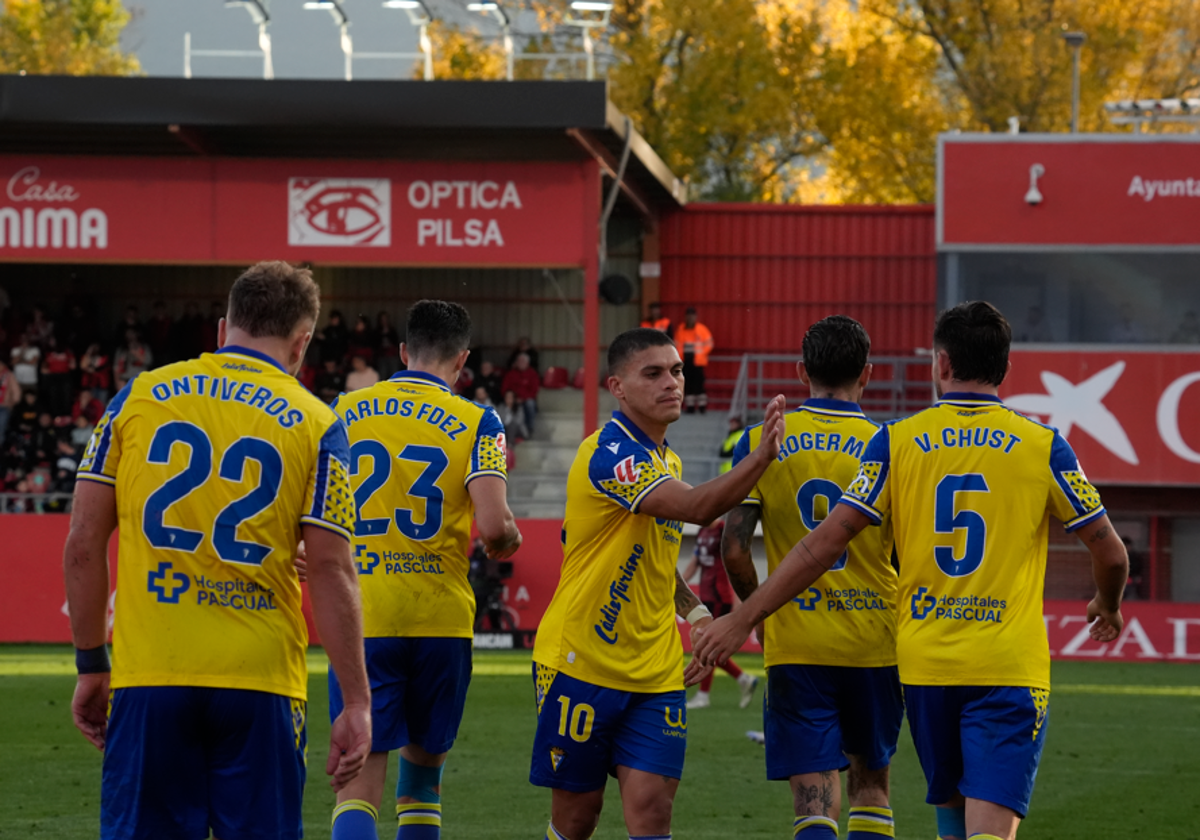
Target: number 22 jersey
216,463
414,448
970,485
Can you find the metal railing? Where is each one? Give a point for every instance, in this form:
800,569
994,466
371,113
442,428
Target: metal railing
35,503
900,385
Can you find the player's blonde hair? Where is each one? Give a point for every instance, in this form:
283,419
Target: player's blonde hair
272,298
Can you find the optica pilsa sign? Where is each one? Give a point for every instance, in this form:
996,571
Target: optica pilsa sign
96,209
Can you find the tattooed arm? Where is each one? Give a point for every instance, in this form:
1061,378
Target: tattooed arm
685,598
736,549
1110,568
808,560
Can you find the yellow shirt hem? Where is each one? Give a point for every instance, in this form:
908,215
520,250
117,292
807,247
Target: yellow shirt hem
151,680
618,685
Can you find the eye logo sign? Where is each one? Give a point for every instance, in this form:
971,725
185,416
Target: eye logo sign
340,211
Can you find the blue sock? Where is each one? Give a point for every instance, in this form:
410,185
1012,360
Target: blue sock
815,828
870,823
952,822
354,819
420,820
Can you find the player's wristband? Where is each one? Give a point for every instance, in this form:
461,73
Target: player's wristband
94,661
698,613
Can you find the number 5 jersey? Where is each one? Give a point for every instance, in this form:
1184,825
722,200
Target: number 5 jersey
216,463
970,485
414,448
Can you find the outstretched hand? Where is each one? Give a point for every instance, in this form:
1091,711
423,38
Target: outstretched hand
719,641
696,670
774,427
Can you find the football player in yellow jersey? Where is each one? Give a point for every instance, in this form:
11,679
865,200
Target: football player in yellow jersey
422,461
608,662
833,692
971,486
214,469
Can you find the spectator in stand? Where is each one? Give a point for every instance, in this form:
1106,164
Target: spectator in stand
26,359
130,360
158,335
40,329
58,369
524,345
66,464
387,343
208,332
1189,330
45,441
129,322
654,320
482,397
361,342
94,373
522,379
189,333
330,382
513,418
360,375
694,342
78,330
81,431
335,339
1126,330
88,407
1035,329
10,395
492,381
735,434
25,415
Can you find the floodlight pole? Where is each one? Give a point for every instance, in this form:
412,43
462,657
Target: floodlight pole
426,48
1075,41
587,25
264,44
258,13
342,21
497,11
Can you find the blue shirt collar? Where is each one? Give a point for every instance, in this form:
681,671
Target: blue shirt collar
254,354
969,397
636,433
823,404
419,375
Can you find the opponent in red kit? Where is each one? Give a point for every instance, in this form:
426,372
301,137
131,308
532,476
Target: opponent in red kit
717,595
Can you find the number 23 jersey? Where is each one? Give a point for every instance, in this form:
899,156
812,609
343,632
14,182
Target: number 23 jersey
414,448
970,485
216,463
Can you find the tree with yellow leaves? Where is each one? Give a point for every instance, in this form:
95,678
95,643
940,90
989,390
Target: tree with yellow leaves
68,37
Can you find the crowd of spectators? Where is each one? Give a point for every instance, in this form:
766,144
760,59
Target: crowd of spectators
58,373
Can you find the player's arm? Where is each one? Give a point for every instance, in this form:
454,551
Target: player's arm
1110,568
706,502
337,612
808,560
689,607
736,551
85,571
494,519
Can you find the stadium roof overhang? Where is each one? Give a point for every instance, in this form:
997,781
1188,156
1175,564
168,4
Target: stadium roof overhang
411,173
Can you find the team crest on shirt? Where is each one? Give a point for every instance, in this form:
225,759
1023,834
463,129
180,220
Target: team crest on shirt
557,754
627,472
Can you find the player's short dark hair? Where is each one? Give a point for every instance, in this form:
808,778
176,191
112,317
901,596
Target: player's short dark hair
976,337
634,341
272,298
835,351
437,330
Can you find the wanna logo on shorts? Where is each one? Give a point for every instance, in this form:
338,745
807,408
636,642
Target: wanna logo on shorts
340,211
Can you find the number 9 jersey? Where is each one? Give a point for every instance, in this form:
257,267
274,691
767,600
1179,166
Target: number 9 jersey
414,448
216,463
970,485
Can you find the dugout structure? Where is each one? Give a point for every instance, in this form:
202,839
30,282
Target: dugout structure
127,190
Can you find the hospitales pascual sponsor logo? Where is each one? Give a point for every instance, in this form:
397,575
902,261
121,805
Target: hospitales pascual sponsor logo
340,212
41,212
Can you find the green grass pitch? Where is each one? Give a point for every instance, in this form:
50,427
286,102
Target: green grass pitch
1121,760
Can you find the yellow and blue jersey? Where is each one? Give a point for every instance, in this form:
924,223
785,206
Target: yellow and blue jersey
216,463
848,617
414,448
970,485
611,622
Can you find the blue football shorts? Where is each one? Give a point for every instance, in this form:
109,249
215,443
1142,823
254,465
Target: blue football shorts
814,716
984,742
181,761
418,691
585,731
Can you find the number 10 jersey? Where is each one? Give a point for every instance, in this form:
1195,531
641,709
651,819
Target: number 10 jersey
970,485
414,448
216,463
